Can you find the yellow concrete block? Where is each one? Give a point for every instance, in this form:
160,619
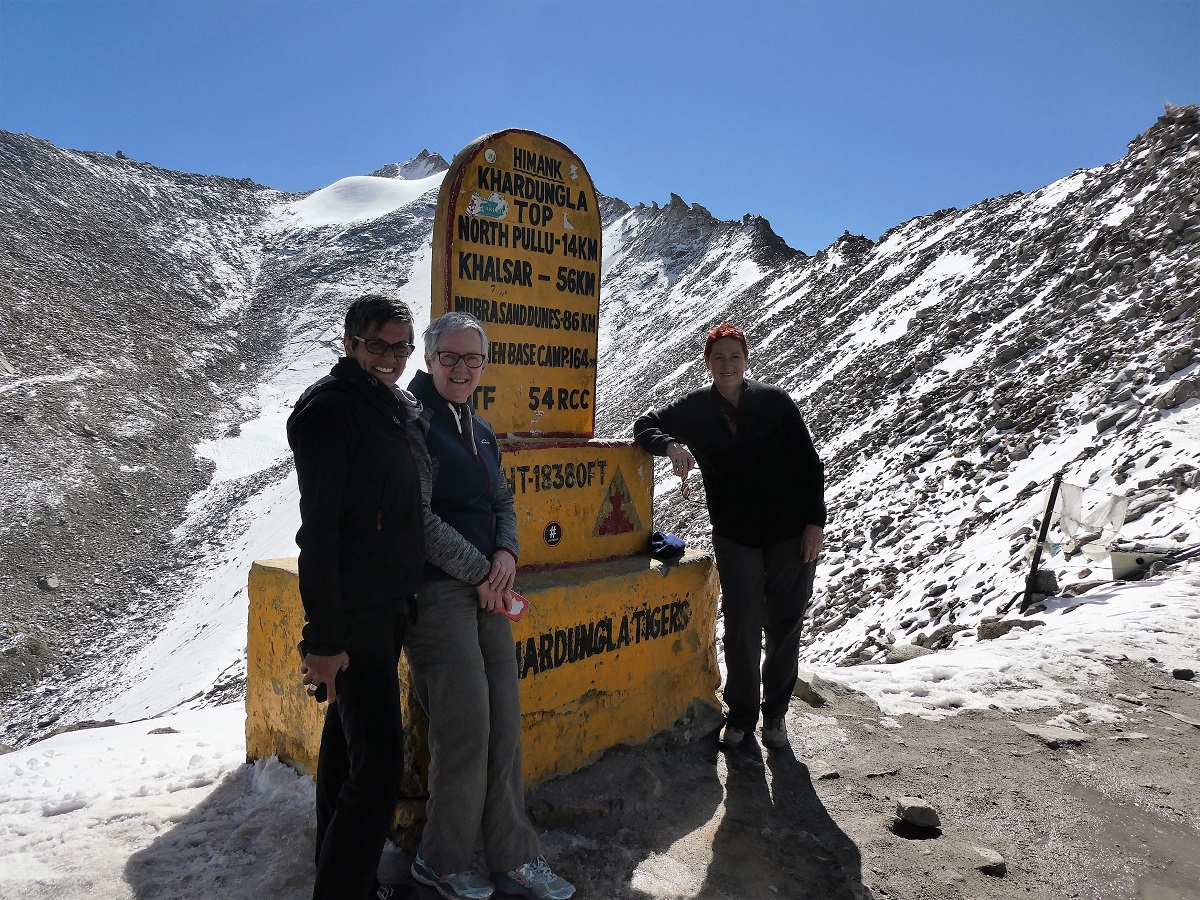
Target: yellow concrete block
608,653
612,653
579,500
281,718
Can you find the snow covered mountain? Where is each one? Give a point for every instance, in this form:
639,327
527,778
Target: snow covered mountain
947,371
158,326
125,295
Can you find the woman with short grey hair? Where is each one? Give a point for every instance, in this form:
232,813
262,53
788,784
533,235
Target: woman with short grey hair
455,321
460,643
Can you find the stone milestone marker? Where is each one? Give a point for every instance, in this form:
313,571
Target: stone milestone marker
614,647
517,243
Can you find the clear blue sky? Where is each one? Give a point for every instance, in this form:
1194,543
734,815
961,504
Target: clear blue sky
821,116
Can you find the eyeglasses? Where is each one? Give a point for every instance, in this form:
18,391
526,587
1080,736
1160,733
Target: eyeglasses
685,490
377,346
449,359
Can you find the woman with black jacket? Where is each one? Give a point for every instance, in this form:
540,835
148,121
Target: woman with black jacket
764,485
361,558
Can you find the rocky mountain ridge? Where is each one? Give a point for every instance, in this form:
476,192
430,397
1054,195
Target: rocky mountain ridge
945,370
422,165
1054,331
117,278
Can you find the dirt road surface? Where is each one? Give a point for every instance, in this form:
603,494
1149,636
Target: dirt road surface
1106,813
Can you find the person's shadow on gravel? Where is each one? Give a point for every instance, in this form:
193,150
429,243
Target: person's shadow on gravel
776,839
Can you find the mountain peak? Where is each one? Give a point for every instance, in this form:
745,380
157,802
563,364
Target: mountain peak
1177,126
854,243
422,165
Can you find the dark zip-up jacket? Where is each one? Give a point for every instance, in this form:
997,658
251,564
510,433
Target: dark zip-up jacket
470,512
763,480
361,540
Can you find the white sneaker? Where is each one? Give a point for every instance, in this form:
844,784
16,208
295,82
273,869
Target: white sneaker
534,880
468,885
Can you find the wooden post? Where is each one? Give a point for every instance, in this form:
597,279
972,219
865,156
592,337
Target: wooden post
1037,551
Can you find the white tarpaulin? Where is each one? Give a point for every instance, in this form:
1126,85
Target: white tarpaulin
1086,511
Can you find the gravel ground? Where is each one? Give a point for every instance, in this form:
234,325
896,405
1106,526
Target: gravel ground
1116,817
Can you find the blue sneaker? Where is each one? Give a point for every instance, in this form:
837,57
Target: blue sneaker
468,885
534,880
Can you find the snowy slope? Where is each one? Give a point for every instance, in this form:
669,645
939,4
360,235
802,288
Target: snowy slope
355,199
946,370
250,509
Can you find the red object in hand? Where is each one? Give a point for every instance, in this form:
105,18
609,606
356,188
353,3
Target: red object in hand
516,606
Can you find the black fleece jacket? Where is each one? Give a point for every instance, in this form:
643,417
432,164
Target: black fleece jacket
361,541
763,480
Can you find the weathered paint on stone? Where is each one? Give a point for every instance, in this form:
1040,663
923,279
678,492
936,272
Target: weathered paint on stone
652,652
612,653
281,718
579,500
517,243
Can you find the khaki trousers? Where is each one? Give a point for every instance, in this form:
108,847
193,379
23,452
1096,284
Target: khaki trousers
464,670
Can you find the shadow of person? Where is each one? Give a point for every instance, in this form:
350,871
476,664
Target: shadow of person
250,838
775,838
609,828
634,823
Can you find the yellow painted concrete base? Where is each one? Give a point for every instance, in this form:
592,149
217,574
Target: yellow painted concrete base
579,500
608,653
281,719
612,653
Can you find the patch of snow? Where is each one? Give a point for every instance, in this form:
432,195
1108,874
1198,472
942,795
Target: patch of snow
355,199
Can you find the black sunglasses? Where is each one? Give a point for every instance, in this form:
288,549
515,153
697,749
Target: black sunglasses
449,359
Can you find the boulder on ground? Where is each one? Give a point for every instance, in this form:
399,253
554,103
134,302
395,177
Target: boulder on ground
994,627
904,652
919,812
990,862
1053,736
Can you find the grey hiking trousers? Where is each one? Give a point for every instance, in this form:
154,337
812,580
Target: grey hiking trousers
465,674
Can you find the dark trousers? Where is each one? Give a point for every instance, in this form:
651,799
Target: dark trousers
764,590
361,763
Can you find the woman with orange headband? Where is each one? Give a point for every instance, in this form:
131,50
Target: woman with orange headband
765,489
